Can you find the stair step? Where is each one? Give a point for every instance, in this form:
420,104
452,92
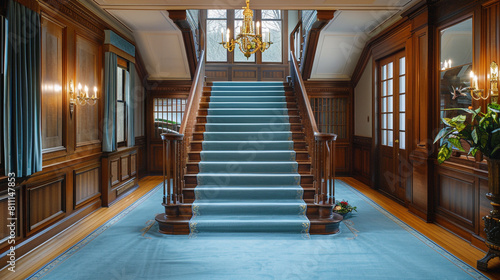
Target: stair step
248,155
247,145
235,89
249,179
249,93
249,207
246,84
242,98
194,167
247,192
258,223
248,111
247,105
247,119
249,136
248,127
249,167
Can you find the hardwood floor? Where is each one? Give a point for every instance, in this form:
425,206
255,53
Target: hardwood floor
34,260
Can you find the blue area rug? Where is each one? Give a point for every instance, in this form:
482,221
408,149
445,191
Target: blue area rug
248,179
375,245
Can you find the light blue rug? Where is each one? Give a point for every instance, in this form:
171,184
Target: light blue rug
248,179
376,245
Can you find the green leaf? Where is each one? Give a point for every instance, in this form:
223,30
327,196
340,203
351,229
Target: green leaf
444,153
473,151
457,144
443,133
495,107
494,152
475,138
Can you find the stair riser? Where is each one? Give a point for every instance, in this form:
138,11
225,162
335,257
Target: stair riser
236,89
257,227
192,180
195,157
230,145
244,98
252,209
241,167
242,111
189,195
277,127
248,193
247,105
248,136
249,93
244,119
193,168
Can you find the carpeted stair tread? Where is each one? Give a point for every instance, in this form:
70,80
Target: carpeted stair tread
247,119
262,193
250,155
242,207
250,84
247,145
235,105
225,179
248,136
246,127
250,223
247,111
247,99
249,166
248,93
243,88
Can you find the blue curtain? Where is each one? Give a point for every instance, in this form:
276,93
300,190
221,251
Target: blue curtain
131,105
22,91
109,126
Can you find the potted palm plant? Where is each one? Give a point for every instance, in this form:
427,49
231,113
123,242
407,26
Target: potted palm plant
480,134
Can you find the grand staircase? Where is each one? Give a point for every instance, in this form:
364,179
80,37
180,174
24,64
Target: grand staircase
248,168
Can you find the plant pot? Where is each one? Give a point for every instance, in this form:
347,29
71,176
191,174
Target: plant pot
492,221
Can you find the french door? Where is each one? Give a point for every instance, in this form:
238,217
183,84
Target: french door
392,125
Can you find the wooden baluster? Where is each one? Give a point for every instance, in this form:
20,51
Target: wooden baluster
165,154
168,160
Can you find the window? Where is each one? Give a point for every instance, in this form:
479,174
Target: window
217,23
168,114
121,107
271,29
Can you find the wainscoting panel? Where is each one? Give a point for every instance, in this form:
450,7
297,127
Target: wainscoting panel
133,164
341,160
45,203
456,197
87,185
115,174
125,167
361,160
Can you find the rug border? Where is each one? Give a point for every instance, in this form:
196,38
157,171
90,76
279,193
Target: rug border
473,272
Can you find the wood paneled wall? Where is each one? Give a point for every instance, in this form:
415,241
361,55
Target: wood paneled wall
70,185
343,90
451,194
160,89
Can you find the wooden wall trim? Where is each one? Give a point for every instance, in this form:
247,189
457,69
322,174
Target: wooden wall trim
323,18
119,52
374,42
180,19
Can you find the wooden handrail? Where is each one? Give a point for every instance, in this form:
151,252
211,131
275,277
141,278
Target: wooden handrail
176,145
321,146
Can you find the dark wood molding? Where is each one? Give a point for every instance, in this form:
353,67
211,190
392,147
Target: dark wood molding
30,4
119,52
180,19
323,18
328,88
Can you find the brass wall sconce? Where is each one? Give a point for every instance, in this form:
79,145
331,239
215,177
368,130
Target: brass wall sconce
80,96
478,94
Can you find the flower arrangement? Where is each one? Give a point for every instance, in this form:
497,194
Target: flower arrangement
343,207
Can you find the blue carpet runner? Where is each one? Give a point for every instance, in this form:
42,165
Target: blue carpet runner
248,179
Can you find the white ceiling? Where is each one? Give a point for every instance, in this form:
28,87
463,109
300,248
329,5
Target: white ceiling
340,43
256,4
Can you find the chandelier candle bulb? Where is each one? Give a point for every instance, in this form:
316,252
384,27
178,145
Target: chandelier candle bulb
258,27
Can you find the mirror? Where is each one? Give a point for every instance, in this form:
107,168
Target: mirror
456,64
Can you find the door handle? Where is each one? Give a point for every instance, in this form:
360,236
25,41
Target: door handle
396,141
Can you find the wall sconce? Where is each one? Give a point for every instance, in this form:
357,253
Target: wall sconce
494,81
446,65
475,93
80,96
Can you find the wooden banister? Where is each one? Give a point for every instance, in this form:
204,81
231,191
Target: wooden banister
321,146
176,145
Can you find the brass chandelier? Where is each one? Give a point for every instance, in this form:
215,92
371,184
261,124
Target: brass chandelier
249,39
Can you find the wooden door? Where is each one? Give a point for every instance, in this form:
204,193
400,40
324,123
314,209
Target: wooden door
392,125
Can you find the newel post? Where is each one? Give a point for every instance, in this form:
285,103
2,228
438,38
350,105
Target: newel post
172,170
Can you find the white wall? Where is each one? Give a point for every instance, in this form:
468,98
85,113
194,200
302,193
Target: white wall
363,103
